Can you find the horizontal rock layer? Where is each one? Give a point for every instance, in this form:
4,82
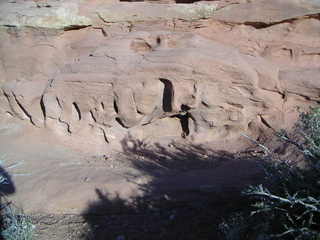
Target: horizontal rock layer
192,70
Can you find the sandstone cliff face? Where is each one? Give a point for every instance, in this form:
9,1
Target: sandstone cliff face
201,71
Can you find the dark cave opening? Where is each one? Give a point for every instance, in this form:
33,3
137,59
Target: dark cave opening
184,121
168,95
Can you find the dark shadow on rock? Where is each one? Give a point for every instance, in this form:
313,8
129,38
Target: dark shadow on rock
7,186
192,189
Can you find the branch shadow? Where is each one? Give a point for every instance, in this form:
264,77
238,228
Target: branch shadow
7,186
192,188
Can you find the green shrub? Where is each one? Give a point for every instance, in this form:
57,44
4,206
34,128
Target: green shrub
15,225
289,206
310,128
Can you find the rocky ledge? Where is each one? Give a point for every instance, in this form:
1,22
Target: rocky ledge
201,71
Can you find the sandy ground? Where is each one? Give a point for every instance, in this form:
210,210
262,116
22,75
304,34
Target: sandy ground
60,187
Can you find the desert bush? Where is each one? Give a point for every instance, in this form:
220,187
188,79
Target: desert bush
288,206
15,225
310,129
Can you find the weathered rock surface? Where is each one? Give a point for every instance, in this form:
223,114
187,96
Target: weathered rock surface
123,12
53,14
196,71
265,12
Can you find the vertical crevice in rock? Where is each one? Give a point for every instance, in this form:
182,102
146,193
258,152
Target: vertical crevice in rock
66,124
264,122
115,106
104,135
168,95
26,113
59,103
184,121
77,109
43,108
92,116
184,118
120,122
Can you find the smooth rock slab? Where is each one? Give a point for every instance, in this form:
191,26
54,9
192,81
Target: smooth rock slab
54,15
267,12
124,12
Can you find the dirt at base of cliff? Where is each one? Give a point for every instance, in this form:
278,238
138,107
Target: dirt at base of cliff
170,220
150,192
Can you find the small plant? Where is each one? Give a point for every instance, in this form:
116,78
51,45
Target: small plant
289,208
286,216
310,128
15,225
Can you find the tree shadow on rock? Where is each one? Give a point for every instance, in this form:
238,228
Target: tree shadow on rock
179,168
191,188
7,186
